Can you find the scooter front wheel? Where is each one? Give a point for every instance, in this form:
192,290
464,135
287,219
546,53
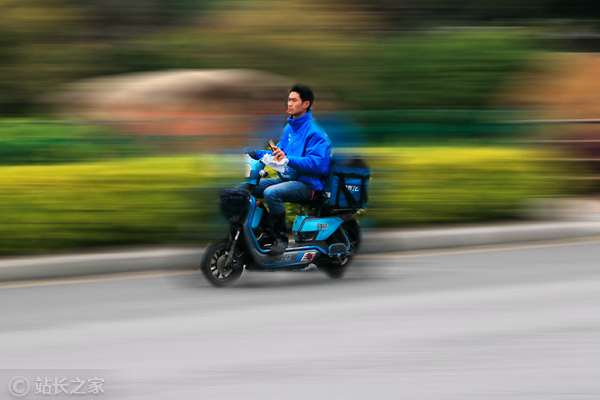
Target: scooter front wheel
214,268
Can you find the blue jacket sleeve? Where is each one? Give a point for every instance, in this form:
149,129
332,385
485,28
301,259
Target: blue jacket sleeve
261,153
316,157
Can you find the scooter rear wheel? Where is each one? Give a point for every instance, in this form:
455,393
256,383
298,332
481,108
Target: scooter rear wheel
214,268
336,269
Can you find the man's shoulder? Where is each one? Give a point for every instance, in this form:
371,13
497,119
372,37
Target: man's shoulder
314,127
319,131
319,136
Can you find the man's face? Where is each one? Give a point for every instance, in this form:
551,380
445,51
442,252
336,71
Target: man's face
296,107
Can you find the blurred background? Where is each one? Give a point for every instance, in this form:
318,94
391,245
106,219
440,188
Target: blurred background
119,121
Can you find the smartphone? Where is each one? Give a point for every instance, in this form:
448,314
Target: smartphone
273,148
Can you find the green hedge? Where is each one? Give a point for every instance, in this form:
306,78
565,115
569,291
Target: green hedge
173,199
452,184
59,142
153,200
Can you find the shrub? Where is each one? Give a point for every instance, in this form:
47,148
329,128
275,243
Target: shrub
451,184
59,142
140,201
173,199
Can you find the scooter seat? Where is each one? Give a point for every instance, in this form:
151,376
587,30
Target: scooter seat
317,204
315,201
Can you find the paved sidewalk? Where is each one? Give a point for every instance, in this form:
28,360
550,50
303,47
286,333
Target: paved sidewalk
374,241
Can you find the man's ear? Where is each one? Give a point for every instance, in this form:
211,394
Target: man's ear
306,104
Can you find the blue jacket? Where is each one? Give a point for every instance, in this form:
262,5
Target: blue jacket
308,149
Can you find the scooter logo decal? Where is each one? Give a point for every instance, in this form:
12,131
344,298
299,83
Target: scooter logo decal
287,258
309,256
321,227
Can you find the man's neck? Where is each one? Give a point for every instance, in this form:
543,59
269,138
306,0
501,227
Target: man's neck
296,116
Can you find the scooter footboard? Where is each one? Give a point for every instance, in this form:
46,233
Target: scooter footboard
293,259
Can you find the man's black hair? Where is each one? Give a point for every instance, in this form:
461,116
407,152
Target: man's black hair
306,94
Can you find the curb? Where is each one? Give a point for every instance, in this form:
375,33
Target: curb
374,241
63,266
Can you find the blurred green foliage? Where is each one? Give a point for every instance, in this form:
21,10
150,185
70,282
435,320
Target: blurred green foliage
384,54
39,142
379,56
433,127
441,70
46,142
173,199
57,142
41,48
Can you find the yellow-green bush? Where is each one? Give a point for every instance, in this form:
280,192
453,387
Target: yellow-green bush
119,202
453,184
160,200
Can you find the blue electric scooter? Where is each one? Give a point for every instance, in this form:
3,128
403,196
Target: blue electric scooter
324,238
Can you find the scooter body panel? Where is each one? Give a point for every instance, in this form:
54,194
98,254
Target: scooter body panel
296,257
311,235
307,228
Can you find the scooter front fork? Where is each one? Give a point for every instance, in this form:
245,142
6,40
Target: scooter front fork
232,248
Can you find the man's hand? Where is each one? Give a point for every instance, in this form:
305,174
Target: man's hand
278,154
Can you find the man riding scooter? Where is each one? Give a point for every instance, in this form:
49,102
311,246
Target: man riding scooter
303,154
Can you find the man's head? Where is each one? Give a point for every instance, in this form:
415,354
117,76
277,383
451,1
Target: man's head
300,100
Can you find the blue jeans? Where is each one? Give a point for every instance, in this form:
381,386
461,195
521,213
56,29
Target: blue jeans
276,192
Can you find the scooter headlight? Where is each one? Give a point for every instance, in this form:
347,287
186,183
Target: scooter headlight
248,170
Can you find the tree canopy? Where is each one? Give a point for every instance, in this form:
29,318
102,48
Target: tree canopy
380,54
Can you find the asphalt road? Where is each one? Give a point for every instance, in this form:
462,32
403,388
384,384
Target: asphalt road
513,323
